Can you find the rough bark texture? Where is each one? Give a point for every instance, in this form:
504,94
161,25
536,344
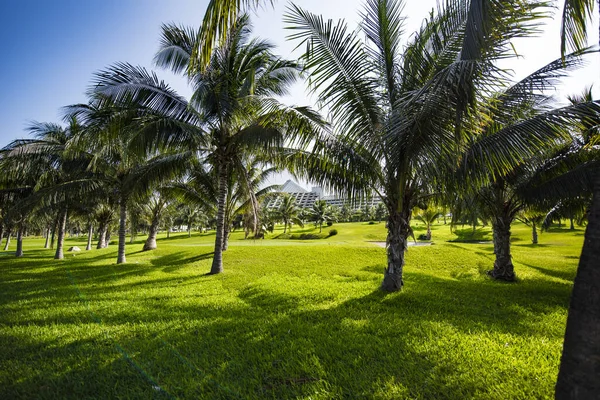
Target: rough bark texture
122,231
503,266
217,264
54,229
1,233
398,231
151,241
226,236
8,233
534,234
101,237
579,374
19,252
47,244
90,234
62,224
428,234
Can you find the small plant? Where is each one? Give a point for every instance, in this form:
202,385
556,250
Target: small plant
371,222
333,232
423,236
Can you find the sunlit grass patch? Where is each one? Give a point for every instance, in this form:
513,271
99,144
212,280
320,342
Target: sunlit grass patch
287,319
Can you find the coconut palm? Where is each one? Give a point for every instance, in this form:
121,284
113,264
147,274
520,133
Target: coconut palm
574,23
521,116
55,168
399,111
428,217
233,111
321,213
154,208
219,18
288,212
532,218
121,169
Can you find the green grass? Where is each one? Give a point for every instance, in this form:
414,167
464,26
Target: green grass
288,319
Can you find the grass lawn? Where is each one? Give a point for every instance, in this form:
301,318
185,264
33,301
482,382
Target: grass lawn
287,319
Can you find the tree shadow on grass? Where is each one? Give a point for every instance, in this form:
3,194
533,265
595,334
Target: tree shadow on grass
175,261
568,276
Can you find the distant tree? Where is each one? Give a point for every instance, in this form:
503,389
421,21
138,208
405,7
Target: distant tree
428,217
321,213
534,219
288,212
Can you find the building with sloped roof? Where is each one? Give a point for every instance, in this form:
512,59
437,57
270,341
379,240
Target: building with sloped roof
306,199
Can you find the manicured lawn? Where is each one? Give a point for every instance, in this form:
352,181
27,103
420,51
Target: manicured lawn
287,319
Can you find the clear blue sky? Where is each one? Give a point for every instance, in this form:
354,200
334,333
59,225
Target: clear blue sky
51,48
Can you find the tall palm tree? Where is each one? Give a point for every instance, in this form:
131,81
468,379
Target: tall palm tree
233,111
520,116
154,208
400,110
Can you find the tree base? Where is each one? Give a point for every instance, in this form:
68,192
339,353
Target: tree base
391,282
502,275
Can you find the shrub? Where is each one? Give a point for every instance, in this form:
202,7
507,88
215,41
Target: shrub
329,223
333,232
371,222
422,236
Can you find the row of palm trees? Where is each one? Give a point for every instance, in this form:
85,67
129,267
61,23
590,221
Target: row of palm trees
408,121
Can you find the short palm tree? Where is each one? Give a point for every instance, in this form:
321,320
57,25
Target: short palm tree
321,213
288,212
428,217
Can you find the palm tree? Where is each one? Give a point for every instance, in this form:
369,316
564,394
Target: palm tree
533,218
321,213
154,208
219,19
428,217
233,111
288,212
520,116
56,169
119,167
576,16
400,110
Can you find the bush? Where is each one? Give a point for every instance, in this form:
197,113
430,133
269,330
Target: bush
333,232
422,236
371,222
329,223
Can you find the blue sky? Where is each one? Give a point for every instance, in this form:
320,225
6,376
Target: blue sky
52,47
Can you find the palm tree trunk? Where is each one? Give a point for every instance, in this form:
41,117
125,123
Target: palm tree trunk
47,244
189,229
122,231
168,233
534,234
90,234
428,232
503,266
217,264
62,224
8,233
1,232
397,242
572,224
19,252
101,236
151,241
54,229
580,362
226,236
